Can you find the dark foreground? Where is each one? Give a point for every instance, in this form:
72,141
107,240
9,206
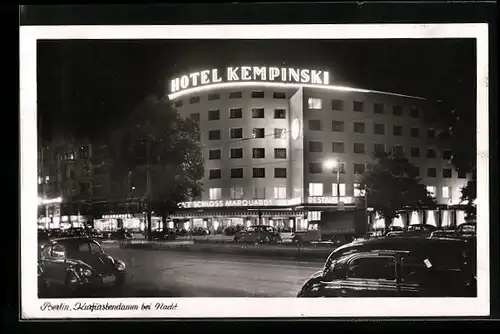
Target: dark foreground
178,274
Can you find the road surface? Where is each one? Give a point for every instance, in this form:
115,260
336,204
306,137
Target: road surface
172,274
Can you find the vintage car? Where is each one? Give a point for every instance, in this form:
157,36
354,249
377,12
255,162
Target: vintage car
167,234
397,267
120,234
77,266
417,230
258,234
463,231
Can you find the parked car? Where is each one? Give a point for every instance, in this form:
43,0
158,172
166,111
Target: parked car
74,232
233,230
397,267
199,231
120,235
467,230
258,234
444,233
77,266
160,234
417,230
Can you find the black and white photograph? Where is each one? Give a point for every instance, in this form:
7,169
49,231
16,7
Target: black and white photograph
182,168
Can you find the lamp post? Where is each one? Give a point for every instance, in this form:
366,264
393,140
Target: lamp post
330,164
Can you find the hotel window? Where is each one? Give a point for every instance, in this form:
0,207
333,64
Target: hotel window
447,173
341,188
378,108
214,154
236,153
359,168
235,95
280,173
258,113
378,148
315,189
236,193
280,153
235,113
337,105
398,150
358,192
447,154
446,192
194,99
431,133
414,112
315,146
379,129
431,153
236,133
431,190
415,132
315,125
215,193
214,174
397,110
337,126
178,103
258,133
195,116
338,147
342,169
431,172
279,192
279,133
213,115
259,193
279,95
279,113
259,173
359,148
236,173
462,175
315,168
314,103
213,96
397,130
214,135
359,127
358,106
258,153
415,152
257,94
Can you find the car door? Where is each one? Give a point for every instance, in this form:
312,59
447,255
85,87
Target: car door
413,276
370,275
55,265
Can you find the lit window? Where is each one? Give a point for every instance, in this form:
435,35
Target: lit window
358,192
47,178
215,193
431,190
341,187
315,189
72,156
40,180
279,133
237,193
446,192
279,192
314,103
314,215
258,133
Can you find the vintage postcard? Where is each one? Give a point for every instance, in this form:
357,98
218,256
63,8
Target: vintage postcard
254,171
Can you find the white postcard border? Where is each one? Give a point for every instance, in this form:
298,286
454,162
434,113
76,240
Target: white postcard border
249,307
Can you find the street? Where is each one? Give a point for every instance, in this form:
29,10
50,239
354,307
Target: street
172,274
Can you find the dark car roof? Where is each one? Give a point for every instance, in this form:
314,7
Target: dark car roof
72,240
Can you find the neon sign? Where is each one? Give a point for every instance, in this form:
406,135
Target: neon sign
239,203
249,73
329,200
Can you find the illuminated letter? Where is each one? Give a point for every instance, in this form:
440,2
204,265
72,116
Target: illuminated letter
326,78
174,86
259,71
184,82
293,74
273,73
204,77
215,77
283,74
194,78
231,74
316,77
244,73
304,76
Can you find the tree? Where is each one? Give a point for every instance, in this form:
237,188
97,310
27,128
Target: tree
160,159
392,186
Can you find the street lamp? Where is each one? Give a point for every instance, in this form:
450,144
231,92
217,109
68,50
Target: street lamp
330,164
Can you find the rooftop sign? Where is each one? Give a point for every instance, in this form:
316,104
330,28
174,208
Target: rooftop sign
249,73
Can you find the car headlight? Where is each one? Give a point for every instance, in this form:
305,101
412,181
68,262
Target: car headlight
120,265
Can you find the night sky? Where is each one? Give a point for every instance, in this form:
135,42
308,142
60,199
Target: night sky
87,85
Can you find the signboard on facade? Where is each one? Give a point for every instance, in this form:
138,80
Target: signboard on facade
239,203
250,73
329,200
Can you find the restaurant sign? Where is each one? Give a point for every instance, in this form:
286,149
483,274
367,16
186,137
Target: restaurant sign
329,200
248,74
239,203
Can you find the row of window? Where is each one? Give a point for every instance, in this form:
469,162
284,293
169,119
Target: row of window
314,103
315,190
237,113
378,128
237,133
237,173
257,94
257,153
